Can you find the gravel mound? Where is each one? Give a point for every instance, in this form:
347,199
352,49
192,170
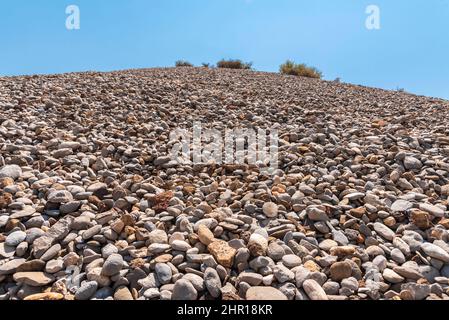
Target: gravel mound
93,207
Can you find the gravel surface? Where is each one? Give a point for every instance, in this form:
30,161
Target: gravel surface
92,207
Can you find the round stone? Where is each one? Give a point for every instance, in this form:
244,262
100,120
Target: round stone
14,238
270,209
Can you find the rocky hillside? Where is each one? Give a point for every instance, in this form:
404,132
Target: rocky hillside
92,207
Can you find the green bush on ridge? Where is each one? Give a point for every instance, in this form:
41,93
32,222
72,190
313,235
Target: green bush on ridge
302,70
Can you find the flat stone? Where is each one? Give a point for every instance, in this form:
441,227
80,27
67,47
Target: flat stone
11,266
10,171
291,260
180,245
57,232
433,210
411,163
52,252
32,265
384,231
6,251
316,214
252,278
14,238
28,211
328,244
435,251
392,276
408,272
264,294
34,279
314,291
401,205
89,233
354,196
60,196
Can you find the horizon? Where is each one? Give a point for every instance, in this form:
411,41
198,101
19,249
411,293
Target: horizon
215,68
333,36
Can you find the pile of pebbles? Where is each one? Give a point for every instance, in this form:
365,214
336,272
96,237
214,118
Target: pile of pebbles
92,207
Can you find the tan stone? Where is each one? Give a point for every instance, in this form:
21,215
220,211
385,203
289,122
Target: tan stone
205,235
340,270
123,293
222,252
34,279
118,226
421,219
312,266
444,223
342,251
45,296
264,293
358,212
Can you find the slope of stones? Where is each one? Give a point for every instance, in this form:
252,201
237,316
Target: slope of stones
91,207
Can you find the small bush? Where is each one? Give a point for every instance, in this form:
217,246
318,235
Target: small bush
293,69
183,63
206,65
234,64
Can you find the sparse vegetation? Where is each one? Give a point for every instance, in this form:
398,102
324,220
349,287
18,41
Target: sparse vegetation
183,63
294,69
234,64
206,65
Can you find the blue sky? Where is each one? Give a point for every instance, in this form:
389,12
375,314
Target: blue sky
410,51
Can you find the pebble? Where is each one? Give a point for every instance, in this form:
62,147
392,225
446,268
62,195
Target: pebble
314,291
384,231
222,252
401,205
11,266
340,270
270,209
257,245
205,235
184,290
14,238
291,260
86,291
264,293
12,171
123,293
435,251
112,265
163,273
392,276
212,282
34,279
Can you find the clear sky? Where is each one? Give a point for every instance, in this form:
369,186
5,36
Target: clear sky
410,50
